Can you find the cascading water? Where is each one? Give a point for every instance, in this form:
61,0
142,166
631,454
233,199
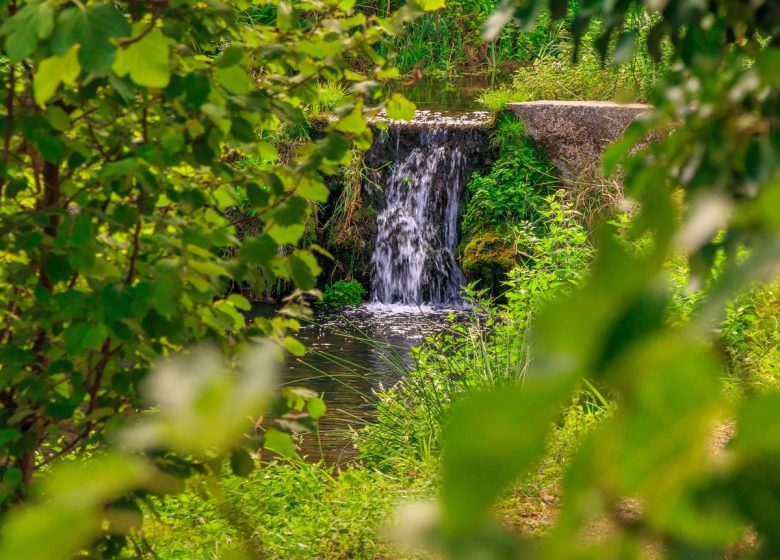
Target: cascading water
417,232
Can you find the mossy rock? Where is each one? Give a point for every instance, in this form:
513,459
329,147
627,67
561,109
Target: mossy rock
487,258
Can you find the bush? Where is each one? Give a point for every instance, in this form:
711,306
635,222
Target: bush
344,292
515,186
299,511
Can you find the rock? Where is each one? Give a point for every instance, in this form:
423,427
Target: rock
575,133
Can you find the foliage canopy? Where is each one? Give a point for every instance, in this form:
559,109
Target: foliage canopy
718,145
119,123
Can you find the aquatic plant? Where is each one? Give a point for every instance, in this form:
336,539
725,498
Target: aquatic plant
344,292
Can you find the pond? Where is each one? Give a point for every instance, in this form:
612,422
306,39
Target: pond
451,94
351,352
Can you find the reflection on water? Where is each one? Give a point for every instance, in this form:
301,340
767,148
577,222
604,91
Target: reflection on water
452,94
350,353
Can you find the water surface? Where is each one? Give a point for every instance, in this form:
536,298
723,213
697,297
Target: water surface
451,94
351,352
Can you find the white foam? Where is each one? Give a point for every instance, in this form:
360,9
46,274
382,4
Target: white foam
457,119
402,309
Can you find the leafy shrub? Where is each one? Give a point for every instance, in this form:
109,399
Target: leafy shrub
299,511
657,446
122,125
511,193
344,292
515,185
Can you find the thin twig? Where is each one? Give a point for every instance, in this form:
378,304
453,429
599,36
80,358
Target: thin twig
124,43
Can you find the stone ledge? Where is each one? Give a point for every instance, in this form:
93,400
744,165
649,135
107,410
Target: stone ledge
575,133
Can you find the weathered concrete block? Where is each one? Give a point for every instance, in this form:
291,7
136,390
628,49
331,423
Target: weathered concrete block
575,133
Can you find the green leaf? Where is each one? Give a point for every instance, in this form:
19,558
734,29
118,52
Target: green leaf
52,72
94,337
316,408
292,212
280,443
58,119
354,122
625,48
70,517
230,57
492,437
12,477
9,435
400,108
197,88
257,196
117,303
430,5
259,250
32,23
294,346
497,21
57,268
753,439
313,189
92,28
287,234
241,462
83,231
147,61
82,336
239,302
334,147
121,168
234,79
167,290
301,273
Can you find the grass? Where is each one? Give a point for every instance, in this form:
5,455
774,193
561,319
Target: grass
559,79
751,339
329,96
496,99
282,510
589,79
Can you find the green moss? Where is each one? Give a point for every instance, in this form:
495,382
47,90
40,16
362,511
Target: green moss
487,258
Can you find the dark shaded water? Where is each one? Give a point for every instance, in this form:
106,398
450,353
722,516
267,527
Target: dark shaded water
452,94
352,352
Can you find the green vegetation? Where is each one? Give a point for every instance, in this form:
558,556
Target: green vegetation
656,445
121,125
344,292
516,184
612,393
291,510
504,206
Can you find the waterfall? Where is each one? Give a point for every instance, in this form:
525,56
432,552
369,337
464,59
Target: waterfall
417,231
